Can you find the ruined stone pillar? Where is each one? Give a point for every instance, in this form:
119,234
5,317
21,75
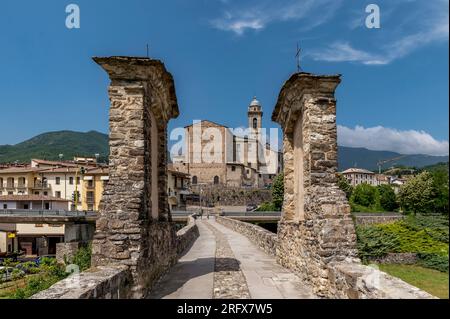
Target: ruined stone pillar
316,227
134,227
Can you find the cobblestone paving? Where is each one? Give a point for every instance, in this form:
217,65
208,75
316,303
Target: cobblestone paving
229,281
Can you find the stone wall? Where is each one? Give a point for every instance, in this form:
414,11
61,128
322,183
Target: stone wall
316,235
316,227
134,227
368,219
187,235
97,283
232,196
261,237
66,251
350,280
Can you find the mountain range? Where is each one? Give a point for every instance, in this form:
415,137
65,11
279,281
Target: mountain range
69,143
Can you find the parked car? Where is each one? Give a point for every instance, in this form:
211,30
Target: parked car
9,273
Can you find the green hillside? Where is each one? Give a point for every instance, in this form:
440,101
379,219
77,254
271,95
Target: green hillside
50,145
69,143
368,159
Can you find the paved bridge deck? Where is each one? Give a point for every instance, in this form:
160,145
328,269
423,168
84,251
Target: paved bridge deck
225,264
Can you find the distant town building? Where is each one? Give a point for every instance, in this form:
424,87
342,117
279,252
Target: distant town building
357,176
177,188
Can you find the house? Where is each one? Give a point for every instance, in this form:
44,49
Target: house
357,176
177,188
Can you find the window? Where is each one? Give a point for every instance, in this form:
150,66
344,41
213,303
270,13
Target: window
194,180
216,180
233,168
47,206
58,194
255,123
5,206
36,193
78,180
91,183
25,206
10,193
71,180
58,180
45,193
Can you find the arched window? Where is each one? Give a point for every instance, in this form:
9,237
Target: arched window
255,123
216,180
194,180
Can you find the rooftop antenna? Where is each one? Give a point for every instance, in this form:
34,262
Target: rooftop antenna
147,51
297,56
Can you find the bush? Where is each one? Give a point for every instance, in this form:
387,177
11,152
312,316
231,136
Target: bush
433,261
365,195
427,236
82,258
266,207
278,192
388,200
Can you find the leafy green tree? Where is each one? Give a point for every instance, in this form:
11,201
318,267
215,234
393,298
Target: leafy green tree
365,195
278,192
440,191
417,194
345,185
388,199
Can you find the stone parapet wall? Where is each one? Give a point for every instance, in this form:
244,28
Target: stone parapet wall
367,220
397,258
187,235
350,280
66,251
221,195
261,237
97,283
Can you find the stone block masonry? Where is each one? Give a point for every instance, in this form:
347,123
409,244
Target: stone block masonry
134,228
316,235
263,238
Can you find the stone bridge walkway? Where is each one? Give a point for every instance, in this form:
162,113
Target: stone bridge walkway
224,264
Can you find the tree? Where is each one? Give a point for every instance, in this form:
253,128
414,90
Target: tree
417,194
278,192
388,200
440,191
365,195
344,185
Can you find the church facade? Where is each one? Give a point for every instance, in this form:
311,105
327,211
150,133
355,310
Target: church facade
214,154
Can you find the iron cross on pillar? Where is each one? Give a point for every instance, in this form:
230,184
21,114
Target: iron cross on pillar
297,56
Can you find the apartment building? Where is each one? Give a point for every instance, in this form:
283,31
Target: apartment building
94,182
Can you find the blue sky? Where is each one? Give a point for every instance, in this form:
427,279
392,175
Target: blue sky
394,93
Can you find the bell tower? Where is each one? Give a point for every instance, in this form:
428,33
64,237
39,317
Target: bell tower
254,116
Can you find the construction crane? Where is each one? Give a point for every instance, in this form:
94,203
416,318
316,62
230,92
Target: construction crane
382,162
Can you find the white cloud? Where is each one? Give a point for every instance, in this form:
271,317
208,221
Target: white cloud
258,14
380,138
430,26
344,52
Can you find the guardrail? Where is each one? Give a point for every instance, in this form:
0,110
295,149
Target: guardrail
45,213
251,214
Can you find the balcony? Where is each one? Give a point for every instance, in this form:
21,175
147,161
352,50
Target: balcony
90,200
21,186
41,185
10,185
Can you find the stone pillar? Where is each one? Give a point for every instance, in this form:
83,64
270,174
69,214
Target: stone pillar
134,227
316,227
